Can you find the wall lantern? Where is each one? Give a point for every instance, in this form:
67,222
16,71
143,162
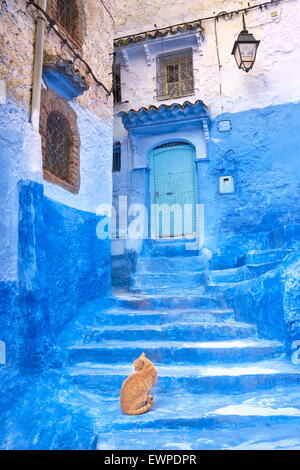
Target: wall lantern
244,49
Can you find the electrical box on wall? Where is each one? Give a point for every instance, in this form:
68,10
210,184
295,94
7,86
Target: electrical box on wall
224,126
226,185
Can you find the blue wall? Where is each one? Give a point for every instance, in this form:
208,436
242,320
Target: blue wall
61,264
262,153
77,263
271,301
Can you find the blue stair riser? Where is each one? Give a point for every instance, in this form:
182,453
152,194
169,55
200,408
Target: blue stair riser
172,250
110,385
195,332
157,281
171,265
243,273
172,355
265,256
169,302
259,269
227,275
184,290
117,319
205,422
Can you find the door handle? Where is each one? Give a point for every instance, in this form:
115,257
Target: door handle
169,194
156,194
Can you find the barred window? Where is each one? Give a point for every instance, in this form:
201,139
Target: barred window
66,15
58,146
116,157
60,142
70,19
175,77
117,84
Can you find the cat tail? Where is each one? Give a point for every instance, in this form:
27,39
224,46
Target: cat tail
142,410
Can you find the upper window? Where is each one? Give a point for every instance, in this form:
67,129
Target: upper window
175,77
69,16
66,14
116,167
60,142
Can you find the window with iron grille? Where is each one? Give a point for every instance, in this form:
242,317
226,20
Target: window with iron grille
117,84
116,157
58,146
66,15
175,75
70,19
60,142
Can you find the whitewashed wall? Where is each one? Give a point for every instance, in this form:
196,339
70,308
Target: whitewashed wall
275,78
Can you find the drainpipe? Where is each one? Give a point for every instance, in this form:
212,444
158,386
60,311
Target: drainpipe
38,67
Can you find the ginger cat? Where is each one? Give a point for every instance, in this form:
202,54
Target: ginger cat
135,398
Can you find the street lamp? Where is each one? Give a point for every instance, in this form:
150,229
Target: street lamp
244,49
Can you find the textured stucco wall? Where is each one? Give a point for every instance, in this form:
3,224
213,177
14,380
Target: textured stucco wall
30,313
263,86
271,301
61,264
261,152
17,49
20,146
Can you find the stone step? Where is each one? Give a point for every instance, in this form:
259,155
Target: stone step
171,265
118,316
256,270
171,249
170,352
171,332
241,274
282,435
165,301
210,411
265,256
165,280
227,275
223,378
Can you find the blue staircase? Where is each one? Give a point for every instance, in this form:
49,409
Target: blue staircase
219,386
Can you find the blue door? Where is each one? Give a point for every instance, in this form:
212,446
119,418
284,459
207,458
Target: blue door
173,190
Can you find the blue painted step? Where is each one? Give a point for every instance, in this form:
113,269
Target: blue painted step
180,280
171,332
223,378
164,301
243,273
172,352
257,420
170,248
265,256
171,265
227,275
260,419
118,316
279,436
209,411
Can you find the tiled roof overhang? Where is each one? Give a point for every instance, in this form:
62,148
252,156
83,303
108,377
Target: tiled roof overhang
156,33
165,113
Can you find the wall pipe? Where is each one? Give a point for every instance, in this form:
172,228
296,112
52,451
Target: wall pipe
38,68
